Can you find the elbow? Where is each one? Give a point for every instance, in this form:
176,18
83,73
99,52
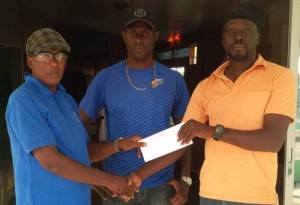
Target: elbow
274,143
274,148
49,165
49,158
277,146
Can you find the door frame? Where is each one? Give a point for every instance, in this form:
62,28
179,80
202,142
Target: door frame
293,54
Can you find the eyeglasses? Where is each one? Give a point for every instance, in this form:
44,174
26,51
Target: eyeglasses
47,57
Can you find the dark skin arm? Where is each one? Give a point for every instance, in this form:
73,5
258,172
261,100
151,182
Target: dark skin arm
54,161
183,158
154,166
102,150
182,189
151,167
183,167
270,138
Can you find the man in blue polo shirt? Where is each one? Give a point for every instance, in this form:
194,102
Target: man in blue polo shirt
139,96
50,147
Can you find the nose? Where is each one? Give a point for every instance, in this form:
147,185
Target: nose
239,36
139,37
53,61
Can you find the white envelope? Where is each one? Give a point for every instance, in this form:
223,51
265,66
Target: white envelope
162,143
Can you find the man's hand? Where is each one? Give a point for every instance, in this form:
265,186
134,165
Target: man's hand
119,187
131,143
192,129
134,180
181,194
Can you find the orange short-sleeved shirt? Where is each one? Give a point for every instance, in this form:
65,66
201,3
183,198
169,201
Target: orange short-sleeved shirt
231,173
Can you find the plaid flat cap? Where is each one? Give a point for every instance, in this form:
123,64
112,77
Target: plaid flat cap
44,40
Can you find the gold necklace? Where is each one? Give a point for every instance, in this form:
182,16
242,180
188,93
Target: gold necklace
154,82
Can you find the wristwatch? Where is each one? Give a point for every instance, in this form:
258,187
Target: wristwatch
219,130
187,180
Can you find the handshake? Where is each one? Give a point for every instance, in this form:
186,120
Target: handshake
118,186
125,187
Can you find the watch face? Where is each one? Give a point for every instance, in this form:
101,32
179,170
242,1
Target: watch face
219,130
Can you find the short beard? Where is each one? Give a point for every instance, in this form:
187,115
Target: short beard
238,57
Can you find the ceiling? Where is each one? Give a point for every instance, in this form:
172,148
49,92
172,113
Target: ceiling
173,16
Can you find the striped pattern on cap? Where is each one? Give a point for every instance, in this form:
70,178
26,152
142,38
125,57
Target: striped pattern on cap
44,40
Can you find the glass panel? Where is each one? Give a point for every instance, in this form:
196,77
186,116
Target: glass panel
165,55
296,193
180,53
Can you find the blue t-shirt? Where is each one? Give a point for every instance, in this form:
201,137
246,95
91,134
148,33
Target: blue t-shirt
37,117
129,111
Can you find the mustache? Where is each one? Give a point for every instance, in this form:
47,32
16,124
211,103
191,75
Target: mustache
54,72
238,44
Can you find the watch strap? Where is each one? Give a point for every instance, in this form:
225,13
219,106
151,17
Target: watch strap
116,144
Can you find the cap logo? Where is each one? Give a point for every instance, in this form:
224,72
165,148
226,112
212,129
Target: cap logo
140,13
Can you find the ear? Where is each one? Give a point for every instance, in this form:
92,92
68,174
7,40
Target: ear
258,39
29,61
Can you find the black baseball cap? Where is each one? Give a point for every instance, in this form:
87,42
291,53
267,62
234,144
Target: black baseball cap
250,12
139,14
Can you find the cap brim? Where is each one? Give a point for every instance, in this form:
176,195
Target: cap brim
139,19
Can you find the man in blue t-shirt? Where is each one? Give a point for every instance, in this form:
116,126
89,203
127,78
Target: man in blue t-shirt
50,147
140,96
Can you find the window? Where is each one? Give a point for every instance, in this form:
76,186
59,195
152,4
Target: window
180,53
165,55
179,69
190,52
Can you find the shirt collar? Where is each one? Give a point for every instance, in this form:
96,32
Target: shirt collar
259,63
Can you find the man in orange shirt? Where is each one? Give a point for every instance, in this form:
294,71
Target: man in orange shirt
243,110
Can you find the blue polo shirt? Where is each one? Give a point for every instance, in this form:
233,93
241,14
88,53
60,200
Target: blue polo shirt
38,117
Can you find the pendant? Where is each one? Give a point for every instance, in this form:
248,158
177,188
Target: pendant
154,83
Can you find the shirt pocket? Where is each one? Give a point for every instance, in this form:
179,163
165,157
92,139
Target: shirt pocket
253,105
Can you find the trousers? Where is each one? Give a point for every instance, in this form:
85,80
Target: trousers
153,196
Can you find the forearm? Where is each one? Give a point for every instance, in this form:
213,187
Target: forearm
158,164
183,165
70,169
100,151
269,138
105,149
256,140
